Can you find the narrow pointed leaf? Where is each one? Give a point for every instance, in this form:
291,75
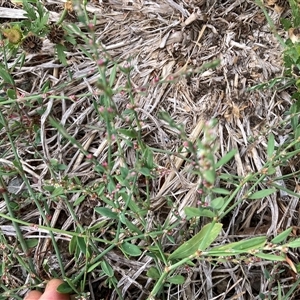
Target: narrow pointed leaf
294,244
272,257
262,194
282,236
226,158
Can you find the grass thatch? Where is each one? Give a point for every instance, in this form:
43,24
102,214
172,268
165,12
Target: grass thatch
159,39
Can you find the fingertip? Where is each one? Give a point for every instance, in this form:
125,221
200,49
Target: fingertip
33,295
51,292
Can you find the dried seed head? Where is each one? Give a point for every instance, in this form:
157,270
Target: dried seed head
14,35
32,44
56,33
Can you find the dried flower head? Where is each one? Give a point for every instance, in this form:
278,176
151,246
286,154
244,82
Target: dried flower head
32,44
14,35
56,33
69,5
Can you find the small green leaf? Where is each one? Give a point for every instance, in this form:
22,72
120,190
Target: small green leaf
31,243
106,212
153,273
217,203
294,244
262,194
82,244
79,200
30,12
60,49
226,158
272,257
209,176
107,269
131,249
11,94
271,145
198,212
128,132
58,191
73,244
112,76
271,170
148,157
93,266
191,246
49,188
64,288
132,227
177,279
145,171
282,236
6,76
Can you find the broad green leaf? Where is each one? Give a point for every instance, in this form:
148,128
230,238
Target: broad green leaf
271,145
107,269
212,233
191,246
272,257
282,236
294,244
65,288
198,212
217,203
177,279
221,191
131,249
251,244
226,158
262,194
153,273
106,212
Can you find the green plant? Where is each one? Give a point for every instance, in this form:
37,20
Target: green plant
97,200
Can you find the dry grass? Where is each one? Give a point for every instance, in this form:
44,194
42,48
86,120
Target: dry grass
160,39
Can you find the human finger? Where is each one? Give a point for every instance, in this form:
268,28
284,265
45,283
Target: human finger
33,295
51,292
